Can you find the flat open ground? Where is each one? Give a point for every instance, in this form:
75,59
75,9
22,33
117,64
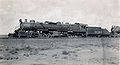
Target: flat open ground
60,51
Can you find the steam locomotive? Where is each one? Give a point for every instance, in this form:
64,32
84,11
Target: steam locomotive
49,29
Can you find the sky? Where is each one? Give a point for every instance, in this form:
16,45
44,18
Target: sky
104,13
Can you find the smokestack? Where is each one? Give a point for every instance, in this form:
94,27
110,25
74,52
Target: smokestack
20,23
20,20
25,20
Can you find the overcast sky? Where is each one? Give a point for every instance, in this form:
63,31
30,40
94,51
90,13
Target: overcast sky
104,13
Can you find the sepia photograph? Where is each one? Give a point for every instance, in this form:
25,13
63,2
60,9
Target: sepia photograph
59,32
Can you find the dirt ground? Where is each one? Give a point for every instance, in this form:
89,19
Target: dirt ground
60,51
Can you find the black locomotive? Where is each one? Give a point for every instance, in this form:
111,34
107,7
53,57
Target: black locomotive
34,29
